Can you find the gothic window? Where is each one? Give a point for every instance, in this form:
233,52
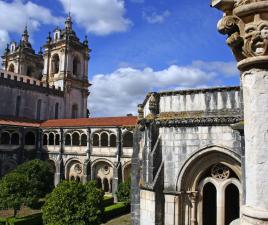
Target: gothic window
74,111
68,140
113,140
51,139
75,139
57,110
57,139
76,65
11,68
18,103
5,138
96,140
84,140
38,110
128,139
15,139
104,139
45,139
55,65
30,138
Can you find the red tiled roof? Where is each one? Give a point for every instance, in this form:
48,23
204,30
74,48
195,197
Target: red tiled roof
19,122
92,122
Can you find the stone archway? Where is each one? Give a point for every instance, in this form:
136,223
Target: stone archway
74,170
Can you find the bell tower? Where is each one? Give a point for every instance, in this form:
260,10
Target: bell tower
66,66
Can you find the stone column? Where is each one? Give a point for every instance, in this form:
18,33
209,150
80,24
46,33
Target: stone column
87,163
39,143
59,174
117,171
22,143
194,198
246,24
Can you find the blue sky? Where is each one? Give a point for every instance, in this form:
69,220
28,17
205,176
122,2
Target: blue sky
138,45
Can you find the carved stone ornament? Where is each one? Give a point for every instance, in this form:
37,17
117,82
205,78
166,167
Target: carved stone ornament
140,112
220,172
78,168
246,24
153,103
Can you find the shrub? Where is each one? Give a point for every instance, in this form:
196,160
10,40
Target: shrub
72,203
13,192
116,210
123,193
107,201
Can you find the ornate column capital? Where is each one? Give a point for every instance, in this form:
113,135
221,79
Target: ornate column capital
245,22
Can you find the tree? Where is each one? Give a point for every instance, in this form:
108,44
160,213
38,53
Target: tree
72,203
13,192
123,193
39,176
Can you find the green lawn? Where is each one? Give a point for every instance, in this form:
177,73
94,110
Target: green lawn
122,220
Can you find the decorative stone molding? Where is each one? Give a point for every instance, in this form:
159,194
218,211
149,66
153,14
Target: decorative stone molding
153,103
246,24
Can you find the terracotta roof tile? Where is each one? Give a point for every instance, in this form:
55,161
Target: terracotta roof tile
92,122
21,122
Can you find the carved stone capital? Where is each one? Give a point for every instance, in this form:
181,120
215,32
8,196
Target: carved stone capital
245,22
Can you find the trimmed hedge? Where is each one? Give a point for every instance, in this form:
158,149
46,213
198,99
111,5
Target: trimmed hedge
35,219
116,210
107,201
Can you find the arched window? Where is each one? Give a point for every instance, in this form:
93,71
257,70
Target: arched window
68,140
15,139
11,68
55,65
104,139
30,138
128,139
113,140
18,103
74,111
57,110
51,139
45,139
75,139
29,71
76,65
5,138
96,140
84,140
38,109
57,139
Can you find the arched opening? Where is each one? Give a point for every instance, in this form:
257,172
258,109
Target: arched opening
209,204
96,140
51,139
74,169
11,68
15,139
84,140
128,139
30,138
57,111
99,183
29,71
76,64
45,139
105,185
74,111
78,179
75,139
38,109
232,204
104,139
18,104
55,64
52,166
67,139
111,185
113,140
72,178
57,139
5,138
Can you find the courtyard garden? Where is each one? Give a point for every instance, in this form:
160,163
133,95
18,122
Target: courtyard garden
28,197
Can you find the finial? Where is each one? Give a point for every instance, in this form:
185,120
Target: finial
40,51
68,22
25,35
7,49
49,37
85,42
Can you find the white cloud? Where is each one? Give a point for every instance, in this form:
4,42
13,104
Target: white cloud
16,14
119,92
100,17
154,17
